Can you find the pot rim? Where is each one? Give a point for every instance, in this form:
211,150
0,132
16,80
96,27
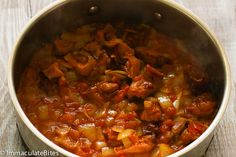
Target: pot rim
170,3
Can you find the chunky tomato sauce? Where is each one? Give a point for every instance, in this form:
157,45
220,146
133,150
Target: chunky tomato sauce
105,90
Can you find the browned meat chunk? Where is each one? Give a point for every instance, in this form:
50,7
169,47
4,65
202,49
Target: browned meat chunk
133,66
202,105
108,87
141,88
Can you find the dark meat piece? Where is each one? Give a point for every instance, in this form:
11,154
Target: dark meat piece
148,55
197,78
150,128
108,87
202,105
141,88
179,125
133,66
121,94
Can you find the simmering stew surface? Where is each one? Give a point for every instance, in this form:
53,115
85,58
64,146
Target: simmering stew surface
122,90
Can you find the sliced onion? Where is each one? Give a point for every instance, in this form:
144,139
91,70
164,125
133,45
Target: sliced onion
155,152
117,128
139,131
108,152
164,101
112,113
164,150
124,134
126,142
110,121
89,131
100,144
176,103
43,112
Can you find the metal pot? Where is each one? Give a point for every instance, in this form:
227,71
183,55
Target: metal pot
165,15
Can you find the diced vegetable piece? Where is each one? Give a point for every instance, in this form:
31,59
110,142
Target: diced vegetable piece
99,133
108,152
126,142
71,76
62,130
131,107
118,128
164,150
78,98
53,71
164,101
110,121
89,131
125,133
43,112
155,152
112,113
139,132
65,142
100,144
144,145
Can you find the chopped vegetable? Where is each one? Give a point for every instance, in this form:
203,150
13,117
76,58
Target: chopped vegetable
100,144
125,133
91,132
108,152
53,71
164,150
164,101
43,112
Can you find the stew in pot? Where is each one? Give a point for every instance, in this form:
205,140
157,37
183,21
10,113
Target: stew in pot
105,90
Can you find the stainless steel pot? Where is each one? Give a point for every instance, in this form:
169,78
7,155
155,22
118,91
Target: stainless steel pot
164,15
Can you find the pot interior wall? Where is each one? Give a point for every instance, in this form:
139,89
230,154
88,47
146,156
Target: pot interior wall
73,13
